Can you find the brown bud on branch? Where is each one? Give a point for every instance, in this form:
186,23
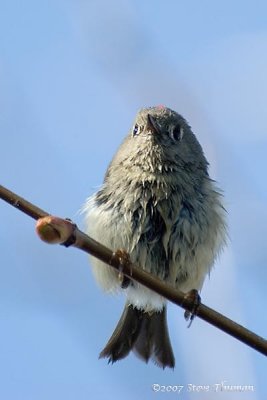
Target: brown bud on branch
54,230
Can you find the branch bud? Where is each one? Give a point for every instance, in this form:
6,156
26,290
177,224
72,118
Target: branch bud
54,230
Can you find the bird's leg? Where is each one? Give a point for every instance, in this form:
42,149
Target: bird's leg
196,301
124,259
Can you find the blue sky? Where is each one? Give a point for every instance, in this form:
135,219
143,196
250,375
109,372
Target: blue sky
72,76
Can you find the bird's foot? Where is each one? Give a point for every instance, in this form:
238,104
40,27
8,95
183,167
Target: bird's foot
196,301
124,259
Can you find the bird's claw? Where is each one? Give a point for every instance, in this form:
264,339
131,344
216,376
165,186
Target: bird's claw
124,259
196,301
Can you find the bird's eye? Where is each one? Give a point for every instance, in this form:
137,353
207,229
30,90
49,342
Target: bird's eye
177,132
136,130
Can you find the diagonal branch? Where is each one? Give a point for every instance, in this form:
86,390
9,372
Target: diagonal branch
56,230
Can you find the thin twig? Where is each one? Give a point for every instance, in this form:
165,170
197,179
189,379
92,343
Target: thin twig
65,229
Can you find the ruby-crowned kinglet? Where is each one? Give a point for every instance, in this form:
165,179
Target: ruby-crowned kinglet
158,203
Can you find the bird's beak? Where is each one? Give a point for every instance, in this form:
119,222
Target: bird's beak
151,124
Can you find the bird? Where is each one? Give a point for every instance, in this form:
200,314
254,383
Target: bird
159,204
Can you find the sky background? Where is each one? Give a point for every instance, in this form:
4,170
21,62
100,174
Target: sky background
72,76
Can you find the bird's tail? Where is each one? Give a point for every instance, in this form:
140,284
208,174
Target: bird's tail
144,333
